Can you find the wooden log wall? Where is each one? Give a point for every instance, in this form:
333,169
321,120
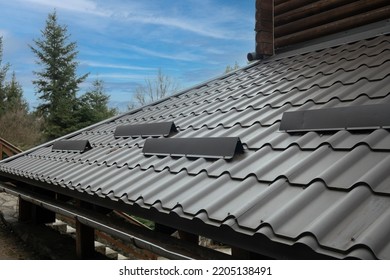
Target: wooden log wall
281,23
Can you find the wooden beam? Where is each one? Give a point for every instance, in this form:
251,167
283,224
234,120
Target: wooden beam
308,10
7,148
85,241
286,6
190,237
334,27
160,228
329,16
239,253
278,2
264,28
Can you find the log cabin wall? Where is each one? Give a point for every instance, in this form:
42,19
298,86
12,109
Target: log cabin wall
281,23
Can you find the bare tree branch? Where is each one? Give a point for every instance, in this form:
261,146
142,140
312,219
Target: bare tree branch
155,88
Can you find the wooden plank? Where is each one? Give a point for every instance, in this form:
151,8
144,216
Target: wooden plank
12,149
308,10
278,2
329,16
7,151
290,5
334,27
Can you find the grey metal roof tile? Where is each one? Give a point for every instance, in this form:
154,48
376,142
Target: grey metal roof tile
307,204
378,139
315,210
264,204
348,210
349,169
90,156
376,235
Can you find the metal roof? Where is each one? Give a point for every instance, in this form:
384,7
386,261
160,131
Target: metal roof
327,191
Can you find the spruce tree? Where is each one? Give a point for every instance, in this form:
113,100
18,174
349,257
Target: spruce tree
57,83
94,105
14,96
17,125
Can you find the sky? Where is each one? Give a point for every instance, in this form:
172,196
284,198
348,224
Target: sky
124,42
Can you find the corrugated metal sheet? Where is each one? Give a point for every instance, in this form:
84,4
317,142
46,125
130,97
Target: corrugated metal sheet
328,191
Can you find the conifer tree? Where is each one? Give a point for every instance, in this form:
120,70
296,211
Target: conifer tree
57,83
14,96
17,124
94,105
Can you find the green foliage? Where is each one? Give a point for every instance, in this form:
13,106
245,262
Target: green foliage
17,125
57,82
21,128
11,93
14,100
57,85
94,105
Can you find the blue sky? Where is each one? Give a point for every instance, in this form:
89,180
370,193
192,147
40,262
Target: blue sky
125,41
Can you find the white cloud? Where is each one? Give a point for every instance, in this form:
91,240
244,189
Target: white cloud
209,23
81,6
116,66
122,77
177,56
199,27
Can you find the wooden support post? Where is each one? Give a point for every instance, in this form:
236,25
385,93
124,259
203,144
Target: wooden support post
85,241
25,210
193,238
34,213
